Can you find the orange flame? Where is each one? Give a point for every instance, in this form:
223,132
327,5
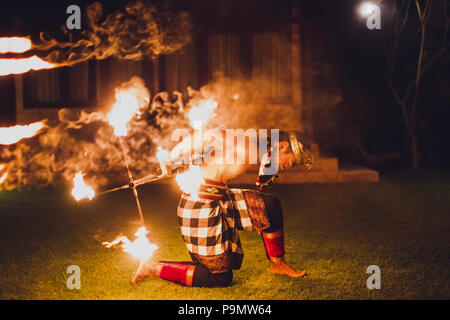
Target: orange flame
140,248
123,111
162,155
4,176
80,191
190,181
15,44
201,113
22,65
14,134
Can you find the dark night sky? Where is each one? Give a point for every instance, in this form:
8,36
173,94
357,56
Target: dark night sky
355,50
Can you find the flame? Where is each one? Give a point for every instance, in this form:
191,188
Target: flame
162,155
80,191
14,134
4,176
22,65
190,181
15,44
124,109
140,248
201,113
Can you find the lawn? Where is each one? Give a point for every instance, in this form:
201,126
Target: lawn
335,231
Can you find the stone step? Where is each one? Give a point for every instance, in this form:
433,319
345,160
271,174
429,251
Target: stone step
325,164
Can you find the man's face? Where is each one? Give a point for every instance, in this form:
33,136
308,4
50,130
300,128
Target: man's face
285,155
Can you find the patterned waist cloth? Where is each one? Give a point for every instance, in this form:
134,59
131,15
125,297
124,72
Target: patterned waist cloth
211,190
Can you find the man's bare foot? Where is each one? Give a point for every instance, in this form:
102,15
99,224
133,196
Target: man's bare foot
281,267
146,269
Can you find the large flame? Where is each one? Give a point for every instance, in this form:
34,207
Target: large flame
190,181
140,248
80,190
15,44
22,65
163,156
123,111
14,134
202,112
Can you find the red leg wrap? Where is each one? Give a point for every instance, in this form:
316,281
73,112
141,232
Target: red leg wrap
180,273
274,243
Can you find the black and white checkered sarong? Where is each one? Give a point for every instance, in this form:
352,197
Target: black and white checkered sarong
209,227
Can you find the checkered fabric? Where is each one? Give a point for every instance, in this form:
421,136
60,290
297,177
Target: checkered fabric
209,227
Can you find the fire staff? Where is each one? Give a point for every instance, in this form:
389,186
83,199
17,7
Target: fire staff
210,221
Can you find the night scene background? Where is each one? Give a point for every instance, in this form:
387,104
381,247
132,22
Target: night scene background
379,194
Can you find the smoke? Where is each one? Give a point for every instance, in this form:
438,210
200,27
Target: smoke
140,31
244,104
81,141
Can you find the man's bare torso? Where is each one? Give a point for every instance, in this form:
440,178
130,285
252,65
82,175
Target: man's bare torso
227,161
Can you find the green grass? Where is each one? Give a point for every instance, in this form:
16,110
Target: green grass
335,231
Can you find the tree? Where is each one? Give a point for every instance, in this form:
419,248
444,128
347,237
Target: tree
406,88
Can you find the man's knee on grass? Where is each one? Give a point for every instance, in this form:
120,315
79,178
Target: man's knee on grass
204,278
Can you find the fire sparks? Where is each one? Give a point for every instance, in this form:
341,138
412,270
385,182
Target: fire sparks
123,111
201,113
162,155
190,181
14,44
14,134
80,190
141,248
22,65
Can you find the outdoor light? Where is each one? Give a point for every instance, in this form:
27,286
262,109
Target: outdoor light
367,8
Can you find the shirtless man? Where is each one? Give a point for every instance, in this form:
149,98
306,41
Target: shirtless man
210,219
